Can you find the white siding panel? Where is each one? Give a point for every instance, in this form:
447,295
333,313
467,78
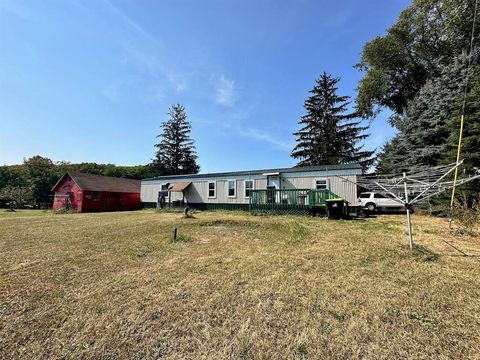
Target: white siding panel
345,188
197,192
339,186
149,192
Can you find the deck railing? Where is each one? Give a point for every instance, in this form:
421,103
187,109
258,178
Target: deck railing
285,198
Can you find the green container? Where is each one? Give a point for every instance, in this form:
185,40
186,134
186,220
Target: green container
337,208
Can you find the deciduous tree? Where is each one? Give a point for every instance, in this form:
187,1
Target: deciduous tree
427,35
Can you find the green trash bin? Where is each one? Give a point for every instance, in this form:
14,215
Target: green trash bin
337,208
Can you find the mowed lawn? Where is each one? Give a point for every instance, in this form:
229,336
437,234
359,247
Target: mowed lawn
113,285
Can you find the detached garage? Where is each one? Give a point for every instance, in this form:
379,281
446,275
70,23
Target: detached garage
88,193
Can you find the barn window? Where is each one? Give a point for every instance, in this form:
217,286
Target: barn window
88,196
248,188
321,184
212,189
232,188
96,196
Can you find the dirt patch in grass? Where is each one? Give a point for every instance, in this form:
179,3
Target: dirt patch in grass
114,285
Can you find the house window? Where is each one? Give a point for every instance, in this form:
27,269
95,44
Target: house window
321,184
212,189
232,185
248,187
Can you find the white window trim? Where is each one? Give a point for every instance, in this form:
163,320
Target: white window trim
245,187
327,183
214,189
234,188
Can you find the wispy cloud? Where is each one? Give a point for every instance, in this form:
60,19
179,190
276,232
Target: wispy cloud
265,137
178,82
250,133
225,91
154,94
128,20
110,91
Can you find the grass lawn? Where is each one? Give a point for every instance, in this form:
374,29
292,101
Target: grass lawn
113,285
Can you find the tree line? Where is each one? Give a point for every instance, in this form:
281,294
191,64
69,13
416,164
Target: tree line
30,183
418,70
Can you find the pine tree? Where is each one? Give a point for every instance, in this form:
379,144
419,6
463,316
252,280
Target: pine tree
393,158
176,151
428,129
470,150
329,134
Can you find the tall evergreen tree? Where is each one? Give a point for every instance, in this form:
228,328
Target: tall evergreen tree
429,127
176,151
329,134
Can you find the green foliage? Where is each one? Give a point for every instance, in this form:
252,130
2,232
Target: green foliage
15,196
42,176
329,134
14,175
176,151
38,175
427,35
425,126
429,128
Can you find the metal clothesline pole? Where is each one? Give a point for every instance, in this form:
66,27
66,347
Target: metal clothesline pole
411,182
438,180
407,205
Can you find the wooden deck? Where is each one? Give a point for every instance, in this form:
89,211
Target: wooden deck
289,201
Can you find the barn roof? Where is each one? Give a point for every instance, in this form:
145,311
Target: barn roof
90,182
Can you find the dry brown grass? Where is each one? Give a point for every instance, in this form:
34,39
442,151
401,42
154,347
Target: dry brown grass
113,285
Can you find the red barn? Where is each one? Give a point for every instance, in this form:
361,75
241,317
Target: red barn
86,193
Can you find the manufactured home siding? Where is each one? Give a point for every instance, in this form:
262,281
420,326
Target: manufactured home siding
197,192
342,186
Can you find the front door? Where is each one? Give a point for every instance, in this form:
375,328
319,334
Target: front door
273,184
273,181
270,195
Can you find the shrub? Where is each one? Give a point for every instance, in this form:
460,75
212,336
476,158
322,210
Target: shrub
466,214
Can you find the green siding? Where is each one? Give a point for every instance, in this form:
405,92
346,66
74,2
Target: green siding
205,206
149,205
223,206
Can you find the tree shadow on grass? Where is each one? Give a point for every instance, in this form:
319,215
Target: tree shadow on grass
423,253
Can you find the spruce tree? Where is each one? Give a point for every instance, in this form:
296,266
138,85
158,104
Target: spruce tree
329,134
429,127
176,151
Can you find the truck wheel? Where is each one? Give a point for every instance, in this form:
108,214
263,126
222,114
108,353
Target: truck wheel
371,207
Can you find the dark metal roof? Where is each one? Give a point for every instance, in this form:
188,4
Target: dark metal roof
90,182
352,166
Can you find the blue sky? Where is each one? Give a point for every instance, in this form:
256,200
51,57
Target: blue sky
91,81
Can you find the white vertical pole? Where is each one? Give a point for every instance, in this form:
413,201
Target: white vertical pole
407,205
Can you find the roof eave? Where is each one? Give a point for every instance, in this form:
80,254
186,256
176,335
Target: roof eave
351,166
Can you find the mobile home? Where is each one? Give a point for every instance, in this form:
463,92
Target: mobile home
297,188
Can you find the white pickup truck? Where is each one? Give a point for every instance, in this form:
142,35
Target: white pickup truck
371,201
